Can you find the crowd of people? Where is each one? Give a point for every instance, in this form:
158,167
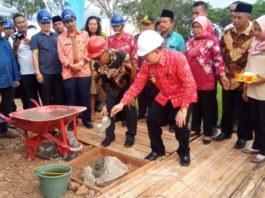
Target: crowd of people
154,75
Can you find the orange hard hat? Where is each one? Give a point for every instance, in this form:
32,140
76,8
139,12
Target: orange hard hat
96,45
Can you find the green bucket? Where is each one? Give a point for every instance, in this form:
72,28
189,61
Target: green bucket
54,179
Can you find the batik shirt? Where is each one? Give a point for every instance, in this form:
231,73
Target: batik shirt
205,59
73,52
234,48
115,76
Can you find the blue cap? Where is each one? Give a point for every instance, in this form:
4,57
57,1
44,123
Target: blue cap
43,16
68,15
8,24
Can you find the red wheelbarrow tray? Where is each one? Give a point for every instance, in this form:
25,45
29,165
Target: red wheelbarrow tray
42,120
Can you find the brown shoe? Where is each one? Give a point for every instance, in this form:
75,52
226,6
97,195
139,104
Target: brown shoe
9,134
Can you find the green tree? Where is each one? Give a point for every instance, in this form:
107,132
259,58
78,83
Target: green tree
258,9
28,7
181,8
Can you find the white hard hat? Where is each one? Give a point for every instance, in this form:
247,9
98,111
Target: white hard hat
148,41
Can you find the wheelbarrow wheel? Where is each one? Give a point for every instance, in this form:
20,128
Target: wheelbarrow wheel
72,142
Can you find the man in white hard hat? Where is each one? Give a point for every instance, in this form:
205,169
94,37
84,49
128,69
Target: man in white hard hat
171,74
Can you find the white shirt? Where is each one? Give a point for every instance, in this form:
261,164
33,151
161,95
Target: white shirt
24,54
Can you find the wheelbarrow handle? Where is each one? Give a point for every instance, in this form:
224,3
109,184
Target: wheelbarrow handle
35,102
5,118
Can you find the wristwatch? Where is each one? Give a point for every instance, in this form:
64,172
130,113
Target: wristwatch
183,110
81,63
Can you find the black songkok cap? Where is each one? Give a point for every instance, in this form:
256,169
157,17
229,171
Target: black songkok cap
167,13
56,19
243,7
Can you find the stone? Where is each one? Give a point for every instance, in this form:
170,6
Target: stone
73,186
98,167
113,169
82,190
88,176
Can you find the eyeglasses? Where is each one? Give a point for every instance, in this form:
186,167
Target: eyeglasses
44,23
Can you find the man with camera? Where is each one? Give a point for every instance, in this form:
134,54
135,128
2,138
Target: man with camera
20,41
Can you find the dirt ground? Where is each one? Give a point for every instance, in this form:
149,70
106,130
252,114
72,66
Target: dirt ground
17,179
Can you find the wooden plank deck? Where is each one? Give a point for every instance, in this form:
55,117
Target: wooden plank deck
216,170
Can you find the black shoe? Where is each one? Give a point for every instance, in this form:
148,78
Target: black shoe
171,129
106,142
185,160
140,117
205,142
124,123
70,126
195,133
88,125
214,131
129,141
221,137
153,155
240,143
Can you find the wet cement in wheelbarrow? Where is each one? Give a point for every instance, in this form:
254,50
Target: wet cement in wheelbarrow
45,115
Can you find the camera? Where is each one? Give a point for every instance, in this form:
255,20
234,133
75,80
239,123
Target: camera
18,36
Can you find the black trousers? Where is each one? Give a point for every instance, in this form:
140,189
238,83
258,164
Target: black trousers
52,91
6,105
257,117
155,118
204,110
130,115
233,104
146,97
79,88
31,88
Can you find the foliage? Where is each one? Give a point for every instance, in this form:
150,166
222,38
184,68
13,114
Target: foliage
29,7
258,9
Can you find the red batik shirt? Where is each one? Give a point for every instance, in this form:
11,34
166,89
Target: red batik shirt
171,75
205,59
126,43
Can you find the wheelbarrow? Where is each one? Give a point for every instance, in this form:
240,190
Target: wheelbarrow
42,122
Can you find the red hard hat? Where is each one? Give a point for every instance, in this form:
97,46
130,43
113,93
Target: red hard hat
95,46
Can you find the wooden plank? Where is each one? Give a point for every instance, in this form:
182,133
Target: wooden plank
143,143
216,151
209,183
260,192
170,172
251,183
129,184
96,141
176,170
184,173
233,181
90,156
